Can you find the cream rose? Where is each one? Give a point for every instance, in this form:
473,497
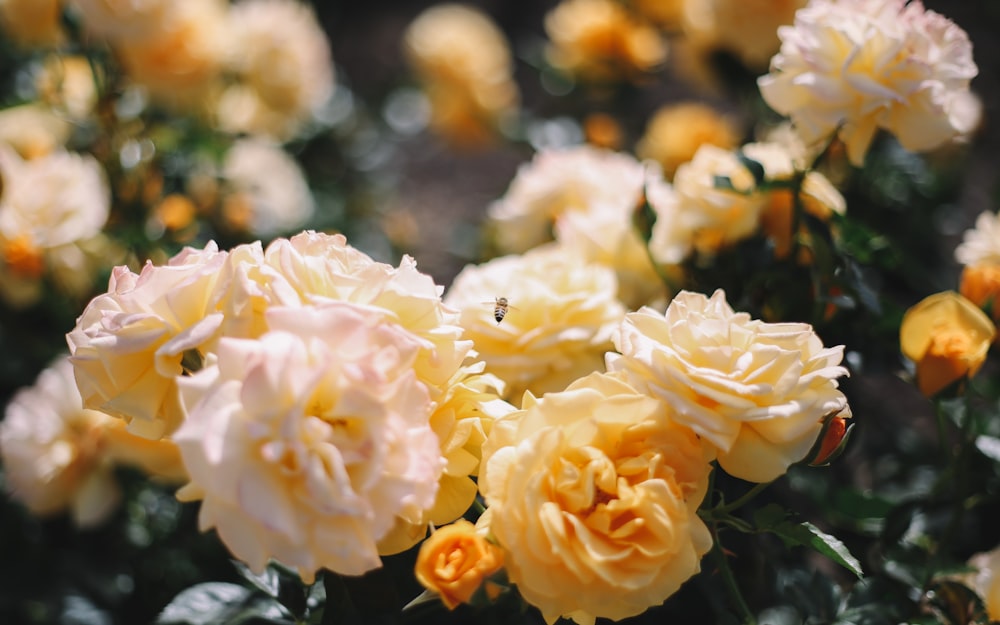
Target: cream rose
696,215
593,496
985,580
130,343
757,391
58,455
305,445
318,265
559,319
850,67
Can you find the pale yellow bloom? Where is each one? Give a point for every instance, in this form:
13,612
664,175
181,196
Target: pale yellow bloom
272,185
675,132
758,392
697,216
119,20
305,444
466,68
455,561
180,61
559,321
850,67
281,58
599,40
947,337
461,420
33,130
68,85
129,344
59,456
593,495
985,580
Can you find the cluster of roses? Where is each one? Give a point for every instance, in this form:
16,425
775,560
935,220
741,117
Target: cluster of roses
327,411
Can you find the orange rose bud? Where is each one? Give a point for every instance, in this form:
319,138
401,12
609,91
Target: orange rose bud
981,284
455,560
832,441
948,337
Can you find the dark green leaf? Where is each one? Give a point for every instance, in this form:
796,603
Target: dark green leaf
267,581
754,167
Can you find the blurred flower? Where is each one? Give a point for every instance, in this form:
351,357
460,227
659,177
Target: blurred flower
52,209
676,131
58,455
981,245
850,67
980,284
759,392
696,215
281,58
947,337
67,84
598,40
305,444
175,212
33,130
666,14
746,28
180,61
122,20
985,580
461,420
455,561
559,323
593,495
557,182
129,345
271,184
32,23
464,62
603,131
817,197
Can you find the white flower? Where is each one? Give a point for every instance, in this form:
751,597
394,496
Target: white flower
272,184
305,445
850,67
756,391
981,245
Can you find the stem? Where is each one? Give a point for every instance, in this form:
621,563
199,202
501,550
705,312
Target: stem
730,581
744,498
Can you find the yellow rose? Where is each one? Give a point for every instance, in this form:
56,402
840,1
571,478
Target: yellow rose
455,560
759,392
559,320
599,40
981,285
948,337
675,133
466,67
593,494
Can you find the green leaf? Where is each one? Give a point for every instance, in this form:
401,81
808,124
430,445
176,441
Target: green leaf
267,581
754,167
989,446
830,546
218,603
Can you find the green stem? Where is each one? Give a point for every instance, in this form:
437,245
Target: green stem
730,581
745,498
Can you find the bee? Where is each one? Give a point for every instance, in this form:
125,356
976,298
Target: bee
500,307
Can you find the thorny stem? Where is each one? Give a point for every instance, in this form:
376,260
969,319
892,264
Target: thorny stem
730,580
